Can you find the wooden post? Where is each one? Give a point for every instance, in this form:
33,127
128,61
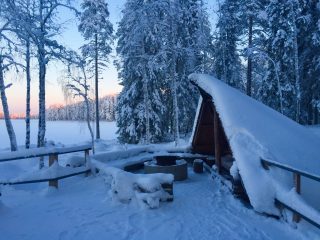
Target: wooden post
297,186
86,156
217,147
52,159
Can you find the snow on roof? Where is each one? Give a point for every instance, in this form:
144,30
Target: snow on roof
256,131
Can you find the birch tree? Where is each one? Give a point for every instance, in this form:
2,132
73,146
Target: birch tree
78,85
6,61
25,14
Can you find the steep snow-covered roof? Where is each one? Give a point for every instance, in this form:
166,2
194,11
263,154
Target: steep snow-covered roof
256,131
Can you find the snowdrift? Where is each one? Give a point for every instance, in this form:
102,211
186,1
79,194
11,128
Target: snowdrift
256,131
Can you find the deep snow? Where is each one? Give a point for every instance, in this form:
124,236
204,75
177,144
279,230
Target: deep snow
82,208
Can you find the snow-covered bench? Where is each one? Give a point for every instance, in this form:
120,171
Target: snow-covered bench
146,189
51,174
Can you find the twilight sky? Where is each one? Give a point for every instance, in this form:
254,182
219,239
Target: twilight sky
71,38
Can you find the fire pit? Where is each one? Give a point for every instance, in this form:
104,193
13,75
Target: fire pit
168,164
166,160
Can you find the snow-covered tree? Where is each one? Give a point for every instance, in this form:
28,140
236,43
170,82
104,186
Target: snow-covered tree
78,85
26,12
309,58
227,62
42,30
7,46
252,24
97,31
141,67
282,48
159,44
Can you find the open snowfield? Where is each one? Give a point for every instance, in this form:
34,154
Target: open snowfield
66,132
83,209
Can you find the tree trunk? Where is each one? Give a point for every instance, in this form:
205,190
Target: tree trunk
296,64
10,130
97,88
316,116
87,106
173,82
175,109
28,76
249,67
42,98
147,107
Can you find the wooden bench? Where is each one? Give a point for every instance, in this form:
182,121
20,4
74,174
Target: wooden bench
266,164
53,154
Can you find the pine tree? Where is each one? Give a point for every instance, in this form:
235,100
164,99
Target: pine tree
141,67
309,52
227,63
160,43
97,30
281,45
188,50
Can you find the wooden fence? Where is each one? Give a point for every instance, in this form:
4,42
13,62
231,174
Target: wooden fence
297,185
53,154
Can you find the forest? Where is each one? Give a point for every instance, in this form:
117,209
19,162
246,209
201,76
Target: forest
76,111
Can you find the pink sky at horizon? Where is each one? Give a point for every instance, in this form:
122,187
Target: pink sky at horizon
16,94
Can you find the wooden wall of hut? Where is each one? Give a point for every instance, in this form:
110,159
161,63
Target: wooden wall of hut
204,137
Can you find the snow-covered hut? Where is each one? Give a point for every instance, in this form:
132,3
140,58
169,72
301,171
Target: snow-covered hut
249,131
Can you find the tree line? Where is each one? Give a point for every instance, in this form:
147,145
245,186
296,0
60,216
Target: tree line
77,111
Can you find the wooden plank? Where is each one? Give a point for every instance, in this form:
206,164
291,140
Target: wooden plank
47,179
41,152
217,147
53,158
196,134
267,163
277,202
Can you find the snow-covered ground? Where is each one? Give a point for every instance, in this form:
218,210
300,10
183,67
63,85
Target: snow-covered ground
66,132
315,129
82,208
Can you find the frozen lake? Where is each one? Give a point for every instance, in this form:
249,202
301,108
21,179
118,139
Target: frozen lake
66,132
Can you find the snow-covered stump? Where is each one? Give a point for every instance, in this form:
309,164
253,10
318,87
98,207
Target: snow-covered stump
198,166
52,159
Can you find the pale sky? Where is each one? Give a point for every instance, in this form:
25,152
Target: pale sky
71,38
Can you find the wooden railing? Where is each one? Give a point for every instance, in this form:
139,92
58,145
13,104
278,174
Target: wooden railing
52,153
297,185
